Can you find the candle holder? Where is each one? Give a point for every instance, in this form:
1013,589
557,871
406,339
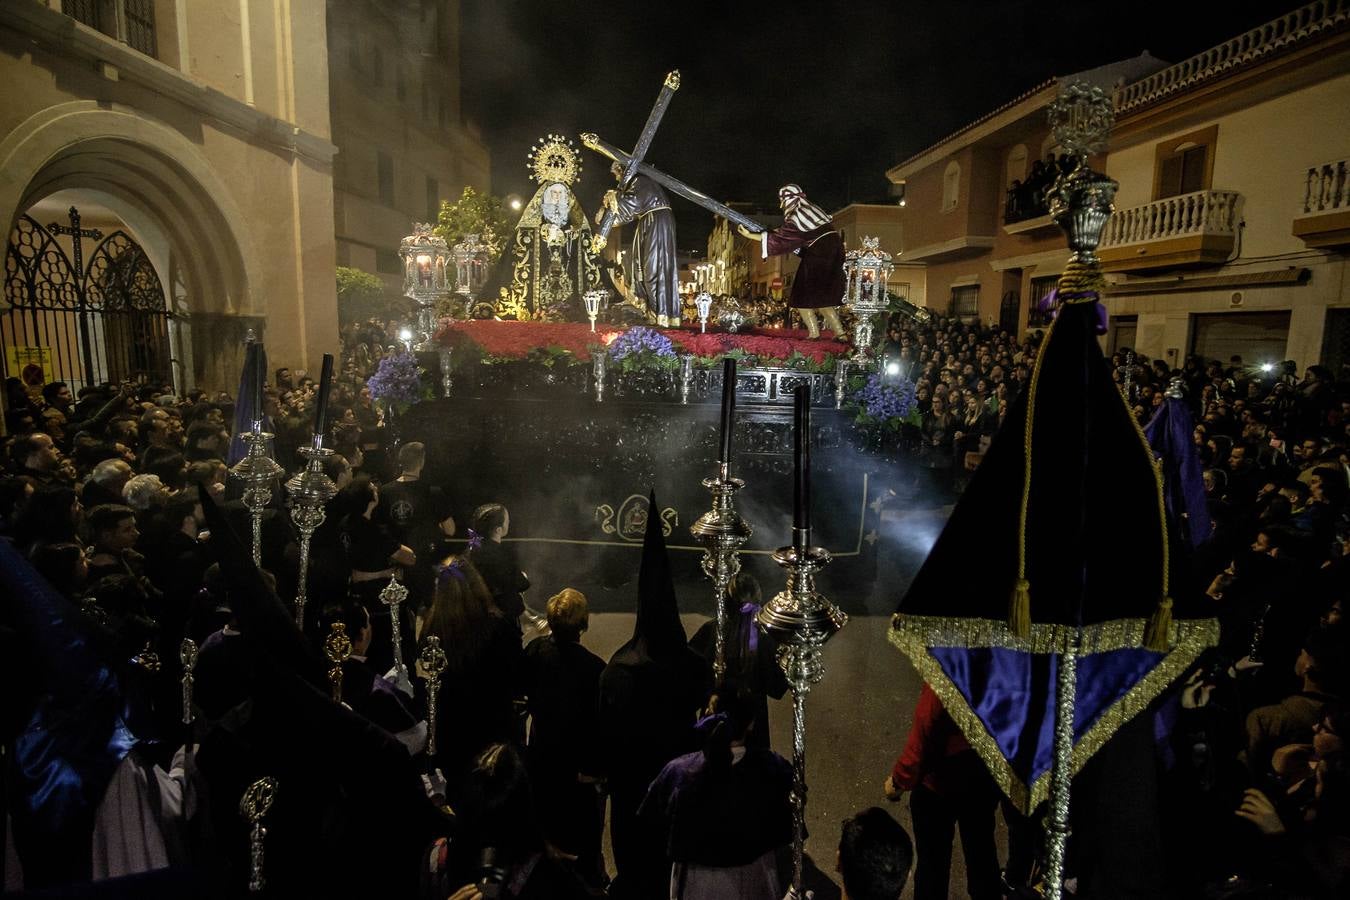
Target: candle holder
447,380
841,367
801,620
592,300
599,367
187,655
392,595
433,662
310,491
338,649
703,303
686,377
722,532
255,803
257,470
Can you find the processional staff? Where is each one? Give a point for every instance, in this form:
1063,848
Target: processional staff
257,470
338,648
255,803
392,595
311,489
187,655
433,663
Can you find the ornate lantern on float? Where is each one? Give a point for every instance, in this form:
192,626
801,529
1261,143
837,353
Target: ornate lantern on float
471,259
426,257
867,271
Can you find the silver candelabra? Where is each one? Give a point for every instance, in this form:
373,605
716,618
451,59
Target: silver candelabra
310,491
800,619
722,532
257,470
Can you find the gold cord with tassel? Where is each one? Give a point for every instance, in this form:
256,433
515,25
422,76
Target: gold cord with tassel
1019,604
1159,626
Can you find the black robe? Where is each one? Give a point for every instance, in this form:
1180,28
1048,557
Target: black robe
655,276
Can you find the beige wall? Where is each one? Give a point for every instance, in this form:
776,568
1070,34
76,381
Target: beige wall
884,221
243,196
1263,152
374,47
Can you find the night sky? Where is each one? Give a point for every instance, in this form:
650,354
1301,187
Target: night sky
826,94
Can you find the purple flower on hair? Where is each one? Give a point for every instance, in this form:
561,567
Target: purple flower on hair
452,569
475,540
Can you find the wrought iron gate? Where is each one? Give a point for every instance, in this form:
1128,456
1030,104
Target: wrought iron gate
107,321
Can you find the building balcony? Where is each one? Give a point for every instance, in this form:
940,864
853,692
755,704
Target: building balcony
1188,230
1325,212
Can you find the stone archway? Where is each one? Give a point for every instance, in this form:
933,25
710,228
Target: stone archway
161,183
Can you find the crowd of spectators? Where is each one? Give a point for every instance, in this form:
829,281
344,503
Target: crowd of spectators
120,499
100,493
1027,199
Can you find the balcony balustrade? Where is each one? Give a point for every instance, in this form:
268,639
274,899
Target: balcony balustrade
1325,208
1193,229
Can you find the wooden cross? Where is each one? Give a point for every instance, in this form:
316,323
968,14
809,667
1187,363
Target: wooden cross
600,236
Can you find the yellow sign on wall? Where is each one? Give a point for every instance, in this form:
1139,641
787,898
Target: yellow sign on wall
32,365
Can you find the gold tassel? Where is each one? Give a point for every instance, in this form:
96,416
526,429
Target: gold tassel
1019,610
1155,634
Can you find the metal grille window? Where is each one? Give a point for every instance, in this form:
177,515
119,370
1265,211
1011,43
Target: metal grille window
129,21
1040,289
966,301
85,11
140,23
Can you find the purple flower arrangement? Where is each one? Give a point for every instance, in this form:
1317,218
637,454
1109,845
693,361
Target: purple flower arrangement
638,339
640,347
885,403
397,380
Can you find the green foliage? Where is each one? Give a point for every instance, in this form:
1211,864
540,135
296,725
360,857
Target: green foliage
475,213
551,355
646,359
360,295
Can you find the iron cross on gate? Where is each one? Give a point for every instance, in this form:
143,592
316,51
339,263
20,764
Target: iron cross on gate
76,233
630,165
77,258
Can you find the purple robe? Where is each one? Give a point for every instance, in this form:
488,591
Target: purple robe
819,281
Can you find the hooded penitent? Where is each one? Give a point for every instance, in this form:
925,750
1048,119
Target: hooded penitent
1062,526
658,635
650,694
1169,434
